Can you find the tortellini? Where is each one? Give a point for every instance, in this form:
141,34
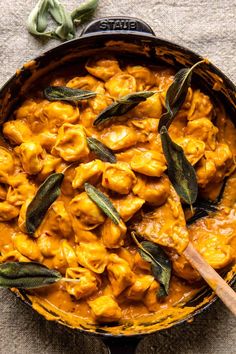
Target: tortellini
149,163
137,291
194,149
87,282
119,273
31,156
201,106
183,269
83,82
86,211
50,164
105,309
8,211
103,69
26,110
118,178
151,108
71,144
128,206
59,113
27,247
87,172
119,137
7,164
20,189
154,191
144,77
92,255
150,298
48,245
65,257
203,129
215,165
214,243
17,131
47,140
58,221
121,84
100,101
112,234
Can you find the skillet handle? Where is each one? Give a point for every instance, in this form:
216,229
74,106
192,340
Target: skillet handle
121,346
116,24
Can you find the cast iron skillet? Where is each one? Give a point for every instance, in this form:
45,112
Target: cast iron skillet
133,38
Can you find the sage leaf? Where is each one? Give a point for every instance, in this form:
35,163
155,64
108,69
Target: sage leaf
206,205
176,94
65,30
181,173
63,93
38,19
198,214
101,150
103,202
27,275
47,193
160,263
84,12
122,106
202,208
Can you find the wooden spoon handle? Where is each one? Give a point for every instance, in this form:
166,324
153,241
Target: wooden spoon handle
214,280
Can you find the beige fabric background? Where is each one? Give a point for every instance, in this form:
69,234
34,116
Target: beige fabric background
206,26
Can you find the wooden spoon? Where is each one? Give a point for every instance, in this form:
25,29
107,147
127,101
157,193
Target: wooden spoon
213,279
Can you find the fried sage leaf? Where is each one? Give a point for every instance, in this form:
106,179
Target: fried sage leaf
63,93
160,263
181,173
176,95
27,275
122,106
47,193
84,12
103,202
101,150
203,207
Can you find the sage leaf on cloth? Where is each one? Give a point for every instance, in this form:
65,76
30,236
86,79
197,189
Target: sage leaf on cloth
181,173
103,202
27,275
38,19
176,94
122,106
65,30
47,193
84,12
101,150
63,93
160,263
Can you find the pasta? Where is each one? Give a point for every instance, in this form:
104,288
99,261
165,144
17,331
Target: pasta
107,278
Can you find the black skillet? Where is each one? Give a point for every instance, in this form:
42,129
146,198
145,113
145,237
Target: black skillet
131,38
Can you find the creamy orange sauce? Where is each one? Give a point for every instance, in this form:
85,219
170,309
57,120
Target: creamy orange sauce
116,284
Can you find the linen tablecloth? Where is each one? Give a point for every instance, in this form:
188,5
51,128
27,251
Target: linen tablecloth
207,27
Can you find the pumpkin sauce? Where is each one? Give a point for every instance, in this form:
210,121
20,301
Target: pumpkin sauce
116,290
